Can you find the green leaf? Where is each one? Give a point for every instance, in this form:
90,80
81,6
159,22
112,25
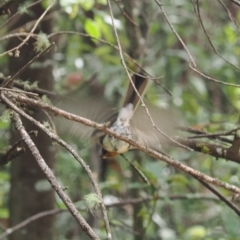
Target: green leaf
106,29
230,34
92,28
4,213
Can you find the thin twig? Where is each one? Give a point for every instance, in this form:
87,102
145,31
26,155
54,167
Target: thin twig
134,61
18,13
12,35
15,150
9,82
125,14
134,87
33,29
197,10
229,14
151,78
29,220
136,169
204,134
108,43
176,34
221,197
20,91
131,201
214,79
236,2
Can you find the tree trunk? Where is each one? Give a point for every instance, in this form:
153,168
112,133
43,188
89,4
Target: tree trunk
30,192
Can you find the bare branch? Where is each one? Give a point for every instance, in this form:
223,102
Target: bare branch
133,143
14,151
32,31
215,150
29,220
213,79
221,197
229,14
73,153
236,2
176,34
131,201
9,82
125,14
134,87
195,197
197,10
51,178
18,13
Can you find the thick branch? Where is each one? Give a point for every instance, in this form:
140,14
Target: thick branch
214,150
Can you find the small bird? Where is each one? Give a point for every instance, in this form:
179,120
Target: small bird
113,146
130,121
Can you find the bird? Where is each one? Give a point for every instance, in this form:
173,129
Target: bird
130,120
113,146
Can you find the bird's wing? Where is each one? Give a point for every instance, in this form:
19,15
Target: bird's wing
142,128
94,108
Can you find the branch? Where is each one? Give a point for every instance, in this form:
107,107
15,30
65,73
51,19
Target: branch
32,31
72,152
17,14
50,176
29,220
214,150
10,81
229,14
132,201
34,90
221,197
131,81
126,15
204,134
197,10
213,79
133,143
14,151
176,34
236,2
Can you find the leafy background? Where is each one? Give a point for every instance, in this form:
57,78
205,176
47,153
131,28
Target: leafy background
186,209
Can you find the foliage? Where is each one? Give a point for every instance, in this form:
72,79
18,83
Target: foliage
183,211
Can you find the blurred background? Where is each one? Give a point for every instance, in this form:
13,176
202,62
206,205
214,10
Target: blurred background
85,65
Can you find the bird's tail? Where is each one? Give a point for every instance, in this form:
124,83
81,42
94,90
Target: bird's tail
140,82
